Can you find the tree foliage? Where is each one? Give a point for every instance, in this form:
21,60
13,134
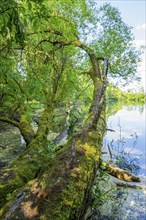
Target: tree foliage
47,52
40,55
59,55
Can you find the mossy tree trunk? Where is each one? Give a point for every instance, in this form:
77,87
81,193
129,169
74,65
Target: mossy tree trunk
29,163
61,190
21,122
33,160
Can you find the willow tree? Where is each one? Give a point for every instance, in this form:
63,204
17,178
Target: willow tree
47,50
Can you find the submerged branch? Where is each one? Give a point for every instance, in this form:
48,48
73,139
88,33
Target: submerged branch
119,173
126,185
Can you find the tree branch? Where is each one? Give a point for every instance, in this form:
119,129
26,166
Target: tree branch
131,186
7,9
10,121
3,48
77,43
118,172
105,67
47,31
19,85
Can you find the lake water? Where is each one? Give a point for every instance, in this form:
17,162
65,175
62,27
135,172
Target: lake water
125,146
128,137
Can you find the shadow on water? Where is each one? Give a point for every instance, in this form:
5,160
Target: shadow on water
124,146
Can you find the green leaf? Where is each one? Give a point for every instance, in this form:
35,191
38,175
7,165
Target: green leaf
104,163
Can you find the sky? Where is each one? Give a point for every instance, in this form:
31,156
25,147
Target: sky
133,13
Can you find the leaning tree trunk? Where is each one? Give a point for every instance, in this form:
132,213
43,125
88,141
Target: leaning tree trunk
61,191
33,160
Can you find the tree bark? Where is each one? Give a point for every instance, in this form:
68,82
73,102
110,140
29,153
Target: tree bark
119,173
68,178
61,191
33,160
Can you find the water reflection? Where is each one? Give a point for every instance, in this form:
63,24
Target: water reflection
128,138
139,108
124,146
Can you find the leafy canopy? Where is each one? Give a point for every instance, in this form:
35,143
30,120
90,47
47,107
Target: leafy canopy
39,60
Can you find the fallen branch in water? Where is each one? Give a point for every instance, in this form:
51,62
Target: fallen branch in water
118,172
108,129
110,153
125,185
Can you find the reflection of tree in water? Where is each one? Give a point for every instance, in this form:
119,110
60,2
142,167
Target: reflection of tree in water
139,108
119,156
109,199
126,162
111,202
122,158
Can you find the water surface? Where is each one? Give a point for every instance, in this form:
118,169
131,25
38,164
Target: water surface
125,146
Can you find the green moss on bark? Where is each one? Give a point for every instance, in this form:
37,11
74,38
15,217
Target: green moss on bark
60,192
25,168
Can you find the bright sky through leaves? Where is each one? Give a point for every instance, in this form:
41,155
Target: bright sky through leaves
133,13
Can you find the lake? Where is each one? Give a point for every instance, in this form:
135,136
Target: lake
128,136
125,146
126,142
